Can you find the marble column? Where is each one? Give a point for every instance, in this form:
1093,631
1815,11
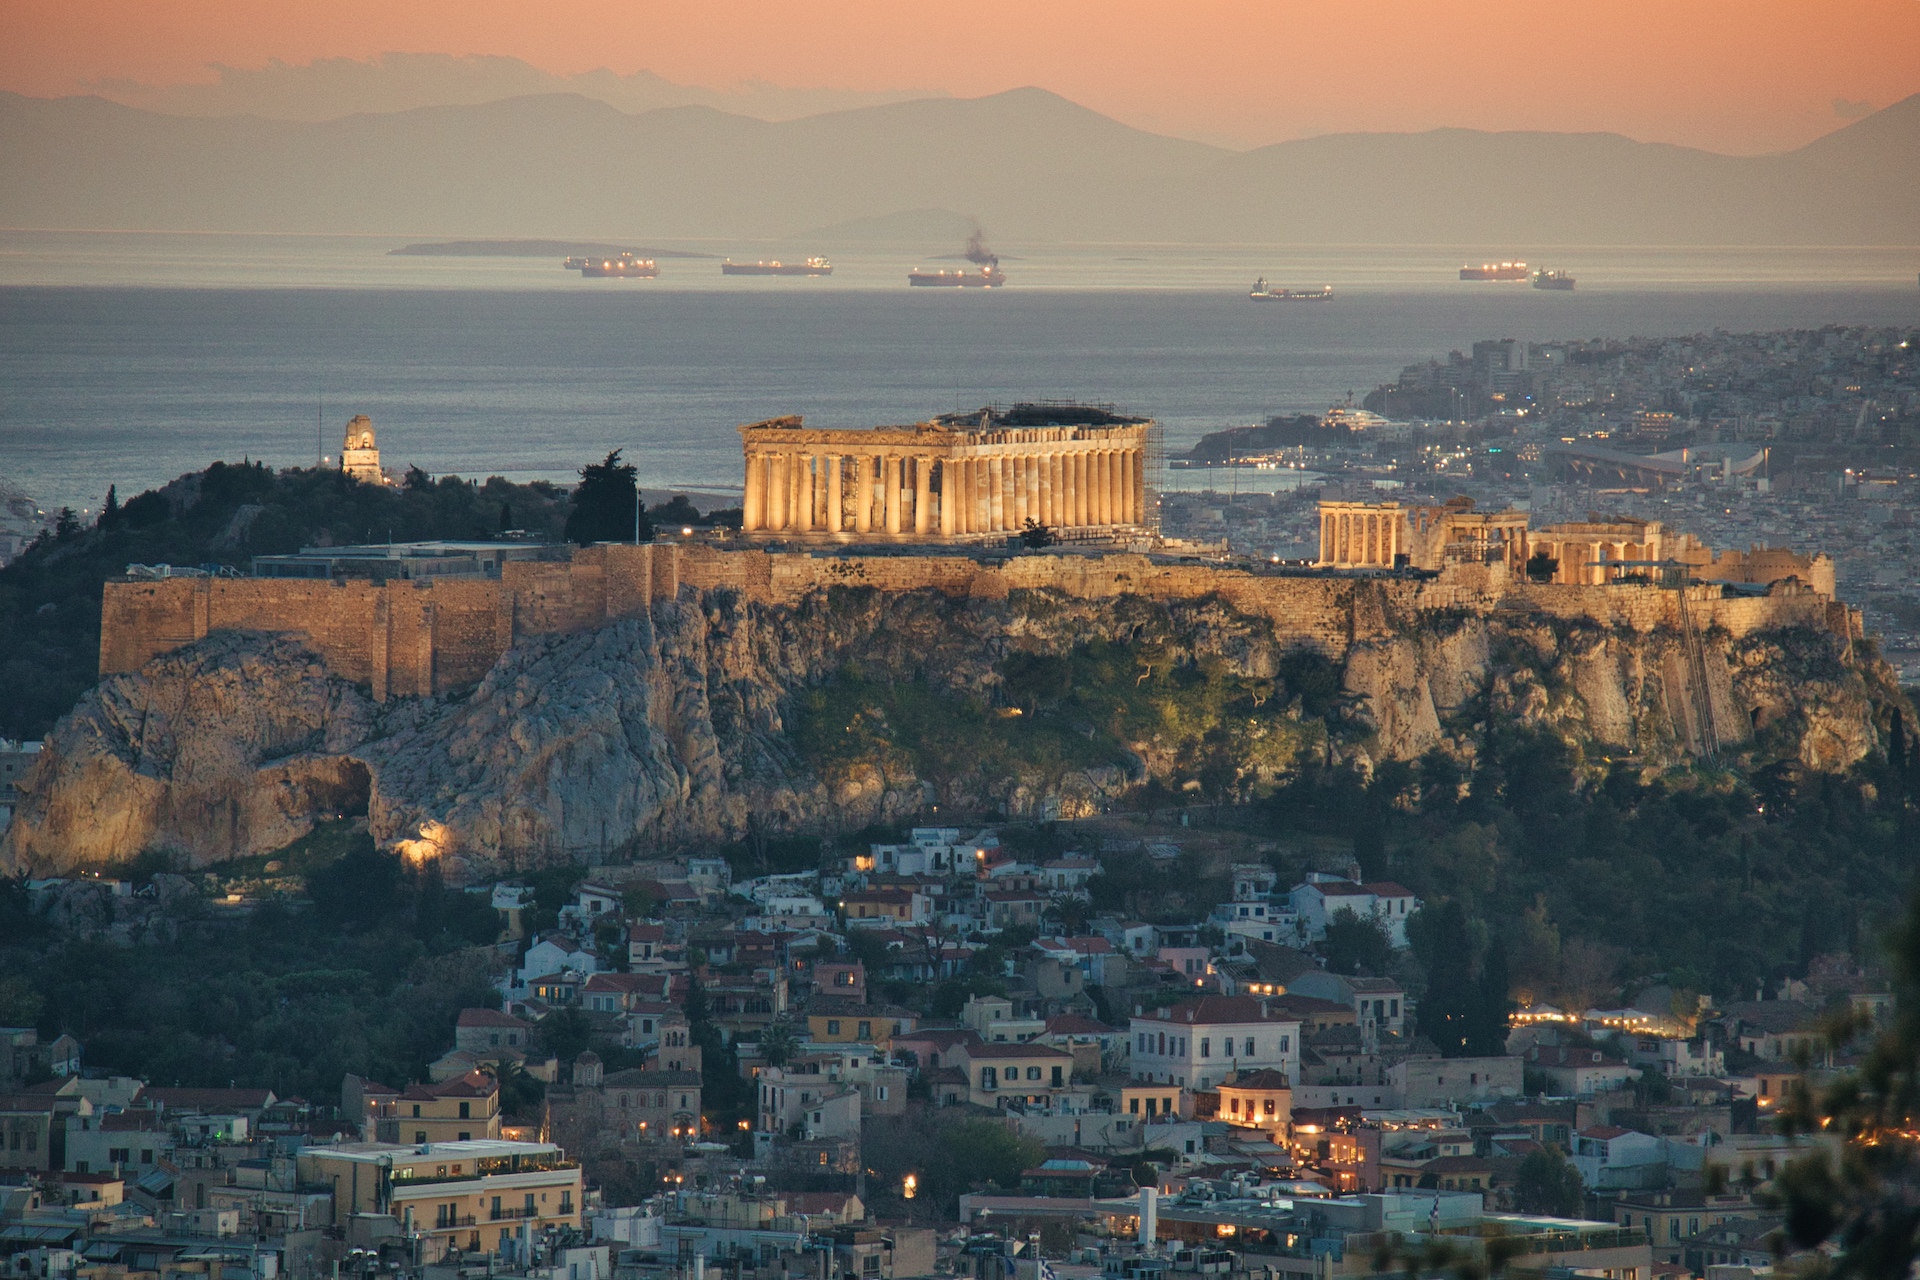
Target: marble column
1076,488
922,494
1125,470
862,493
803,493
1140,511
835,494
890,493
947,490
753,502
1102,495
980,485
777,494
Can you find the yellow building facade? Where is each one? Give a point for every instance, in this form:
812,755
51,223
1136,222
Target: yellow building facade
474,1196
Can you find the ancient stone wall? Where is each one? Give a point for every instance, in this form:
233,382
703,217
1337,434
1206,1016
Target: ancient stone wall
408,638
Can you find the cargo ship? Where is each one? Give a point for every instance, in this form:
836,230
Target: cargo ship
625,265
987,277
1544,279
811,267
1495,271
1263,293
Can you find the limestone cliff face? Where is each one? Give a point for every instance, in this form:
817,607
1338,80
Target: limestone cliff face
674,727
1797,694
233,746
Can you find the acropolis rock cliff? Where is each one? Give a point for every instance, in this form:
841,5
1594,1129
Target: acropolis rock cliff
657,715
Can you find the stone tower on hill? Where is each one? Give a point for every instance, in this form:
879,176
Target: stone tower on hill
359,457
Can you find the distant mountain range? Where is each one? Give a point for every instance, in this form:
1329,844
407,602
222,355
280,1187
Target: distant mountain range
329,88
1029,165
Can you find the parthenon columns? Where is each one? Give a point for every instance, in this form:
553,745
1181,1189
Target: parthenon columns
940,482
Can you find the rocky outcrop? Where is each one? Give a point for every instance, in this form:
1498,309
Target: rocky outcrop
233,746
677,726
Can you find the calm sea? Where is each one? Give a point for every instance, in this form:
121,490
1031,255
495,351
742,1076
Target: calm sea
131,359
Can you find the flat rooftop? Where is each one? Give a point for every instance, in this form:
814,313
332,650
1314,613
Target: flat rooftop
471,1149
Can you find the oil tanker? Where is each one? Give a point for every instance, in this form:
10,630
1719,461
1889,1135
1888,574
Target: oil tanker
1262,292
626,265
811,267
1495,271
987,277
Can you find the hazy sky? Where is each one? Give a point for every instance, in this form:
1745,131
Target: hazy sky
1743,77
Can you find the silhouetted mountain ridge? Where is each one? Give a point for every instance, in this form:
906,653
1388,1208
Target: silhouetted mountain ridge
1029,164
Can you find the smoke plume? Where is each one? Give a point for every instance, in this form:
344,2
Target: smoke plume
977,251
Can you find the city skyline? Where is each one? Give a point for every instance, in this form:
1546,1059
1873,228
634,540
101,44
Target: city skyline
1739,80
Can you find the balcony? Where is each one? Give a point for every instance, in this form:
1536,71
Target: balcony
453,1224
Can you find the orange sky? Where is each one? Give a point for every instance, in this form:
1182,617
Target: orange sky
1728,76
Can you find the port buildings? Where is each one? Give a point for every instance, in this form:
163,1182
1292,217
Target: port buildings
956,478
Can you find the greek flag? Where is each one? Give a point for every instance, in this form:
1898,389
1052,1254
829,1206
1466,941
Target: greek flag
1046,1271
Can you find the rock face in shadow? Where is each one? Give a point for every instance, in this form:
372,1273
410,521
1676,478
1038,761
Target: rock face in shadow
675,728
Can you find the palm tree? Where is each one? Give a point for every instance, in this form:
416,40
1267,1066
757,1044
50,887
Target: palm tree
778,1042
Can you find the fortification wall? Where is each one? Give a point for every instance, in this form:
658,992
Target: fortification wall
411,638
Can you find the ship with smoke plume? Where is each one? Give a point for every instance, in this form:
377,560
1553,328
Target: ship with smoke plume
989,275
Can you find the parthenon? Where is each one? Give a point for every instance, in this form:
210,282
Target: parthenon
958,477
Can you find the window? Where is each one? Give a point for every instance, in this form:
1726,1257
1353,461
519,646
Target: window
1206,1047
466,1111
1393,1008
1133,1106
833,1026
1033,1073
493,1039
416,1111
1673,1228
1249,1046
1286,1043
419,1135
880,1092
1057,1081
866,1031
